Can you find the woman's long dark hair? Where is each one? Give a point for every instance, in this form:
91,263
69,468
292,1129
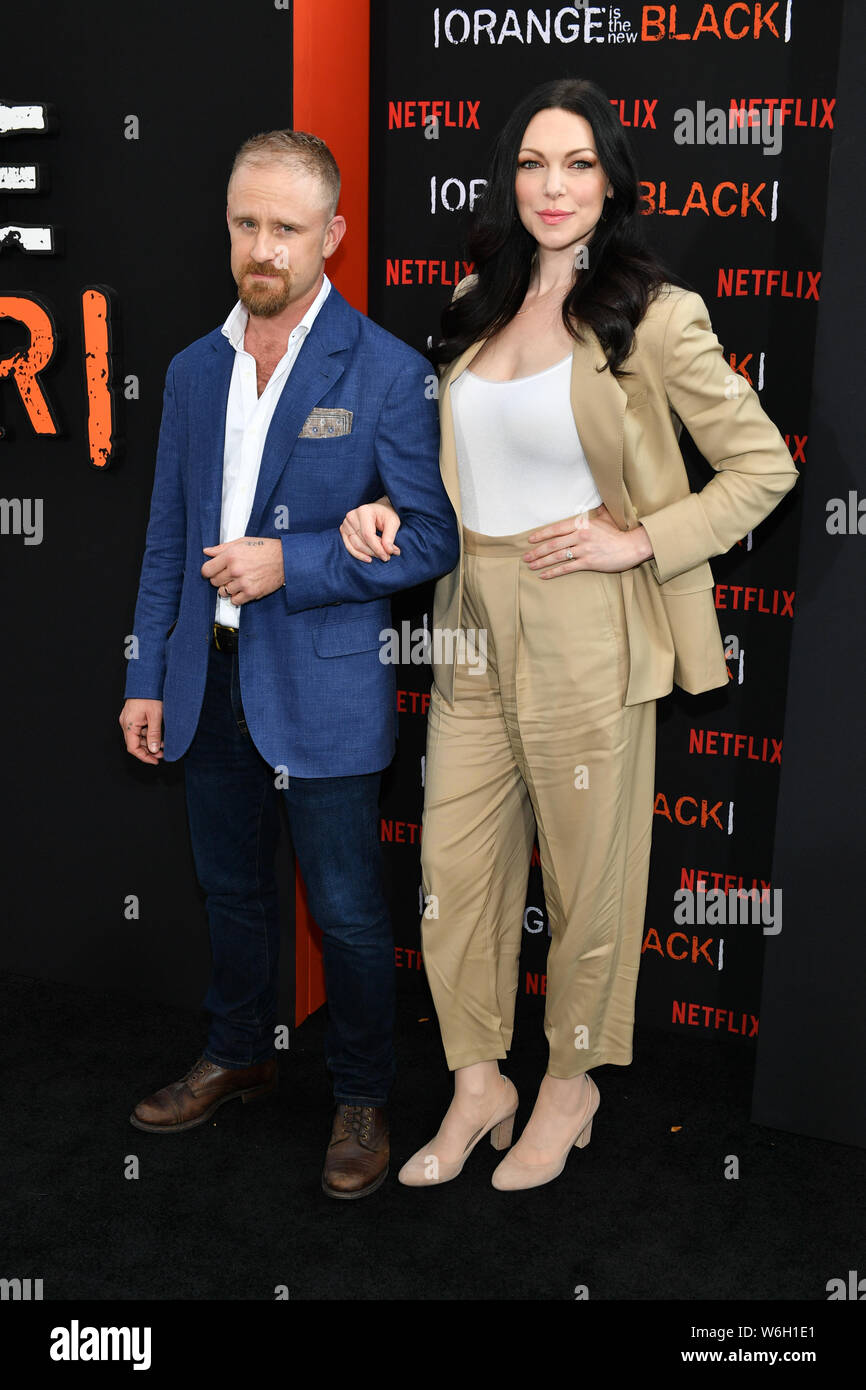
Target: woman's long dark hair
610,295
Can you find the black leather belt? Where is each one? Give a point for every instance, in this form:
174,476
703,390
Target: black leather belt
225,639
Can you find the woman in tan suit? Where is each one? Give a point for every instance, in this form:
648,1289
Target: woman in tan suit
569,365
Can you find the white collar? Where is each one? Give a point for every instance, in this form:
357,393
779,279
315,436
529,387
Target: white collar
235,325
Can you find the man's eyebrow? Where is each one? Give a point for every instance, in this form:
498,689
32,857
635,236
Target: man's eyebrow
283,221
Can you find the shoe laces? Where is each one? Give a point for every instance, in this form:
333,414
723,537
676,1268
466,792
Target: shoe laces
358,1118
201,1068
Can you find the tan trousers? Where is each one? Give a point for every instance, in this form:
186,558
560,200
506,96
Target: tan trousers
539,740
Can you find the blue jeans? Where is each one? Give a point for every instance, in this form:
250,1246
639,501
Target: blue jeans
233,809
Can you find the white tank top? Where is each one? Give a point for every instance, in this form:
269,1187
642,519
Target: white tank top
519,457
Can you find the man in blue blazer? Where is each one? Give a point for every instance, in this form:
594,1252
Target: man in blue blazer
258,643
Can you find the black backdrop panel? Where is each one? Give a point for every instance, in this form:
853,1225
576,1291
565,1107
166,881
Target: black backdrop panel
743,228
810,1073
88,830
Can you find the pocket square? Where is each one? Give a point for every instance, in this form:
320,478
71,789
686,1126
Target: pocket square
327,423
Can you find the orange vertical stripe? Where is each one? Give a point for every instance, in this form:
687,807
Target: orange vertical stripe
331,99
309,970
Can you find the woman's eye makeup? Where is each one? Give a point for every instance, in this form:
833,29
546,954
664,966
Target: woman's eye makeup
536,164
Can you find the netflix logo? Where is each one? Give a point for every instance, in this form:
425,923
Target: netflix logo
721,743
785,284
698,880
708,1016
426,272
743,598
799,111
452,115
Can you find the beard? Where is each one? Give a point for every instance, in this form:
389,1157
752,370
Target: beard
264,301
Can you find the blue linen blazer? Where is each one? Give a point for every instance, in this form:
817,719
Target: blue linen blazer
317,700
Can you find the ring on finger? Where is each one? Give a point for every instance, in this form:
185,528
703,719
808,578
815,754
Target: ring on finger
569,554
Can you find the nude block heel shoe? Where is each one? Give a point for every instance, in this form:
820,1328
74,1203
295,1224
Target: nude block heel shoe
426,1169
513,1174
500,1135
584,1137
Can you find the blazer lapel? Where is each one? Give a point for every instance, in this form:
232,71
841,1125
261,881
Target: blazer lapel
313,374
210,433
598,403
315,371
448,453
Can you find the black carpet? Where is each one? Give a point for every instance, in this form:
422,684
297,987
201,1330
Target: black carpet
234,1209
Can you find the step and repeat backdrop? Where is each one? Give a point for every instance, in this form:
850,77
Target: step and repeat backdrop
118,126
113,256
731,111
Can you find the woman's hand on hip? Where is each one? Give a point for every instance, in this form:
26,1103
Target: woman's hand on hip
360,527
586,543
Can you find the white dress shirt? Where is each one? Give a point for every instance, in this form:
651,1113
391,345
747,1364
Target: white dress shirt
248,417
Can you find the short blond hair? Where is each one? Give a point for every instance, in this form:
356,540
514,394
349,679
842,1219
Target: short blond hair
298,148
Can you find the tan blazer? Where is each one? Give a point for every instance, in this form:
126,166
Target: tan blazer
630,431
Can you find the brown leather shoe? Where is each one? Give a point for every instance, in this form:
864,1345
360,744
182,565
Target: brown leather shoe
357,1159
192,1100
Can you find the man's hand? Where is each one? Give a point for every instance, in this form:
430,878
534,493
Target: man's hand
245,569
141,722
595,542
360,527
